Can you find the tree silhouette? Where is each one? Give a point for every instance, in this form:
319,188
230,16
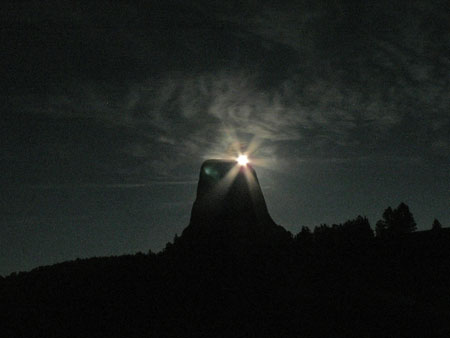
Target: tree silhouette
304,238
436,226
323,234
357,230
304,235
396,222
382,226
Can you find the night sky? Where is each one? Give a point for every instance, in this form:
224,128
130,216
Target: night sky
109,108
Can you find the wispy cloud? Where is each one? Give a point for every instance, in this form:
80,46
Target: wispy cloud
190,116
349,92
108,186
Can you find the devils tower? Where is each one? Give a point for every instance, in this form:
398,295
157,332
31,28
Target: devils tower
229,205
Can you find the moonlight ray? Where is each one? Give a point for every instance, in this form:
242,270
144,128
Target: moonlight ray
225,183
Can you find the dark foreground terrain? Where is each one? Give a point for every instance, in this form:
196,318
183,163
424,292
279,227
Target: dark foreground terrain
239,283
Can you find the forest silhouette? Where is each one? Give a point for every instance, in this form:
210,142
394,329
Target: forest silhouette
245,276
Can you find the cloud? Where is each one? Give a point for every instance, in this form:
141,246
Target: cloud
309,85
187,117
109,186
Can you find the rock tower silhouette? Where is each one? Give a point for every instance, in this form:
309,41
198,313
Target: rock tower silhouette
229,205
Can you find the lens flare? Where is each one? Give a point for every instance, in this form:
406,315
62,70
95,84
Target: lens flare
242,160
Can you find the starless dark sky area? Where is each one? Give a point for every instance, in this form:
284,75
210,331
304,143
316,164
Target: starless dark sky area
108,109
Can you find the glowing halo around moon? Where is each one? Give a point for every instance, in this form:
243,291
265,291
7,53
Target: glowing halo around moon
242,160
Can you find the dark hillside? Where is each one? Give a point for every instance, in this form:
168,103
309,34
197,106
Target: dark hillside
244,276
386,288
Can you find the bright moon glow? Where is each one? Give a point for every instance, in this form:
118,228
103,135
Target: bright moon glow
242,160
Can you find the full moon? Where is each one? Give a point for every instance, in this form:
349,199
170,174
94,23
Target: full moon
242,160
